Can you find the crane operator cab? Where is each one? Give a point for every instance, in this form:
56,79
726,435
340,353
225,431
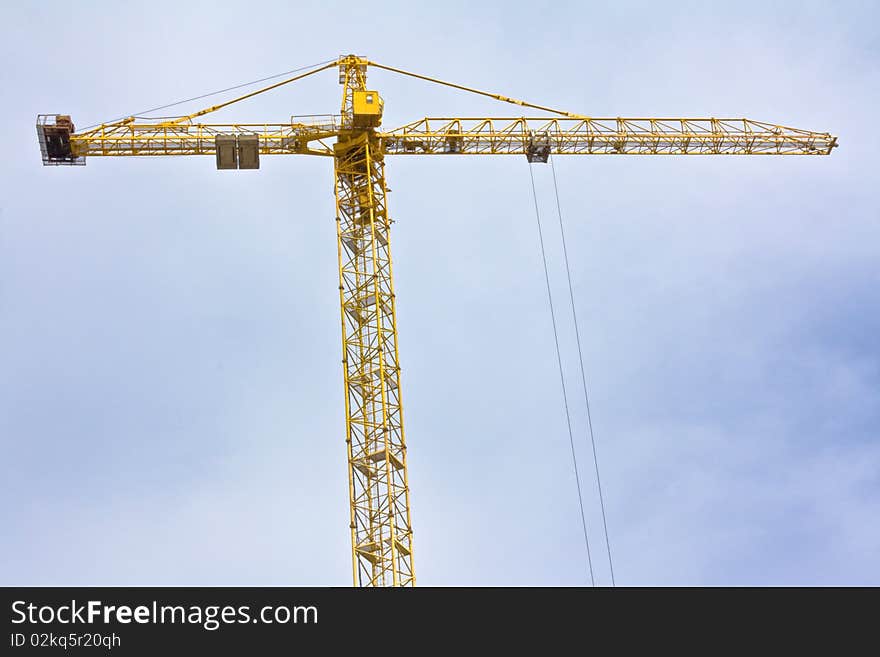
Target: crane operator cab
367,109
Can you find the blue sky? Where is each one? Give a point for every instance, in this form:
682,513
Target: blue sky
170,388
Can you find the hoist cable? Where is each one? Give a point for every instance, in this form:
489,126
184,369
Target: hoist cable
577,477
577,333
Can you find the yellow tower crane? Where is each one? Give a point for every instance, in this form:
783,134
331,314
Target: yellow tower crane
381,527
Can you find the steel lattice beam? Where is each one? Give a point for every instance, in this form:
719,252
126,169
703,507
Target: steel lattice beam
381,529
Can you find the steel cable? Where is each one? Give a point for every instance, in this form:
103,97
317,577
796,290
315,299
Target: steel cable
212,93
562,379
577,333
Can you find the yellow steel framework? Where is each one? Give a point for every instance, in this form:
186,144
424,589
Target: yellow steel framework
381,532
381,527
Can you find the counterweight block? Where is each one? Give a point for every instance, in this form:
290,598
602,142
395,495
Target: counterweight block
54,132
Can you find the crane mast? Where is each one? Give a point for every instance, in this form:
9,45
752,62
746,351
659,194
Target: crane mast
381,529
380,519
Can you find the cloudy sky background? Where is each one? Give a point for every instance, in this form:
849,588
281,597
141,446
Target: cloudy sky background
170,385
